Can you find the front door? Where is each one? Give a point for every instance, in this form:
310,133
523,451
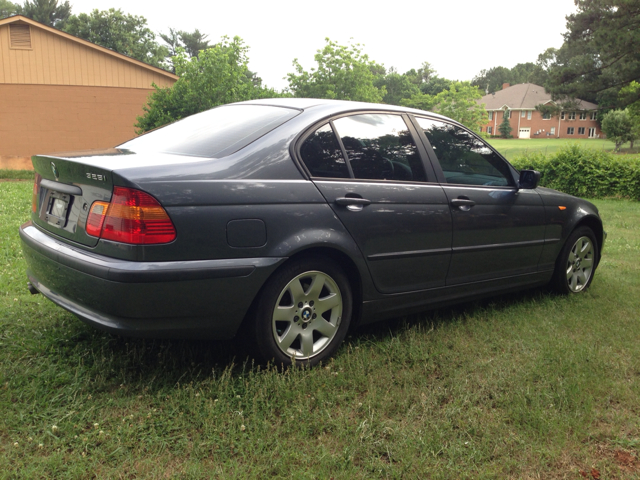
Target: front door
498,230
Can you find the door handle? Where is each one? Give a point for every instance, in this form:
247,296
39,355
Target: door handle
462,202
346,201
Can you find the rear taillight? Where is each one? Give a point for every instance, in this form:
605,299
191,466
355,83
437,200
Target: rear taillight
132,216
36,191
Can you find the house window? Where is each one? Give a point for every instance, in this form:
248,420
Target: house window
562,116
570,131
583,116
529,115
592,133
523,113
580,130
553,130
507,113
490,115
546,116
593,115
489,130
572,116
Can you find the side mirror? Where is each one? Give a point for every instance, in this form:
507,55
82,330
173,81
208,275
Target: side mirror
529,179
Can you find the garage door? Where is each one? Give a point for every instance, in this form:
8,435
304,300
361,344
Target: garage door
525,133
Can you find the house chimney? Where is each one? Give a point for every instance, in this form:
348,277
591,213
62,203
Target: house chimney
505,85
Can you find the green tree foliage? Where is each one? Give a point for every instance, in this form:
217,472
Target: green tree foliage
633,91
120,32
8,8
599,55
618,127
49,12
190,42
435,85
218,75
491,80
505,127
397,87
458,102
342,72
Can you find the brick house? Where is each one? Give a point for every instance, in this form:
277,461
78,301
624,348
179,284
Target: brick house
60,93
519,103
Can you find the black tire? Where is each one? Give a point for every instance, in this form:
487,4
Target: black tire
576,264
314,303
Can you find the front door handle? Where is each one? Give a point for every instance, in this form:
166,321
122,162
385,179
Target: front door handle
346,201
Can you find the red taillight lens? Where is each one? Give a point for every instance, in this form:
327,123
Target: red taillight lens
131,217
36,191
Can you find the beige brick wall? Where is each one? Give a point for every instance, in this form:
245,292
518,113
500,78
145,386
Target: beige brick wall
37,119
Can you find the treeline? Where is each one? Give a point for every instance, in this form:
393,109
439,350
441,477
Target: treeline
598,62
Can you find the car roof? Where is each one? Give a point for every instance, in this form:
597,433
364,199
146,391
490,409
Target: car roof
336,106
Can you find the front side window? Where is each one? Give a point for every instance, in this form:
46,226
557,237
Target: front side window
572,116
580,130
569,130
583,116
380,147
529,115
464,158
523,113
322,155
490,115
593,115
553,130
562,116
489,130
547,116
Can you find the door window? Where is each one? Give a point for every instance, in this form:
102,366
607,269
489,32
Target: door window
465,159
322,155
380,147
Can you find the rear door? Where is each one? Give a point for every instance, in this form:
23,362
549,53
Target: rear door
498,230
370,169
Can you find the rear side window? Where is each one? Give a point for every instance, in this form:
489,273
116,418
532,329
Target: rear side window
215,133
380,147
322,155
465,159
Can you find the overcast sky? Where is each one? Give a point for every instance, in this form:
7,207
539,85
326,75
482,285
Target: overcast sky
457,37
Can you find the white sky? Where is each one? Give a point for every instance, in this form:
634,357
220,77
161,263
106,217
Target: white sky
457,37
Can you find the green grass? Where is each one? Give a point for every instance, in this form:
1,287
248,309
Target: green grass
529,385
16,174
514,147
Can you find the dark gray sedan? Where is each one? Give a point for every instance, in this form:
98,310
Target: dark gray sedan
287,221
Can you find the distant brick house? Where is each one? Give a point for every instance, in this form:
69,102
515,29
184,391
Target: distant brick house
519,103
60,93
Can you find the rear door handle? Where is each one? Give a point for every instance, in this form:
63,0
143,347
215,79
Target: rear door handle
462,202
346,201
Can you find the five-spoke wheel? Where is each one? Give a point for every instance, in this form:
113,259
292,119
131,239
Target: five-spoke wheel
576,263
304,312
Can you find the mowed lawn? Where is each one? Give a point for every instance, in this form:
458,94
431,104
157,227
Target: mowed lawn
514,147
524,386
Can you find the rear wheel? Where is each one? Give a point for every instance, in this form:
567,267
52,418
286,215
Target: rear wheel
303,313
576,263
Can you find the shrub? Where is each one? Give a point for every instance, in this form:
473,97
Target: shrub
586,172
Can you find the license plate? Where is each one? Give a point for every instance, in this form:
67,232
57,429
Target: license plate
57,209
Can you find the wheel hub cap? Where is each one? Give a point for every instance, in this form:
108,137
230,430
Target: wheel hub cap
306,314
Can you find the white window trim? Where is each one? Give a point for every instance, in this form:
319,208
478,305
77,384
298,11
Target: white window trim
529,113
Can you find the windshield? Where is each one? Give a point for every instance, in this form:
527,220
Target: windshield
215,133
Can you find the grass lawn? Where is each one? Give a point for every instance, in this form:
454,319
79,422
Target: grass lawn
514,147
528,385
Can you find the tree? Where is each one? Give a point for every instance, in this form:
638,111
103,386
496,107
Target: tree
459,102
491,80
342,72
8,8
599,55
218,75
194,42
397,87
632,90
618,127
505,127
122,33
48,12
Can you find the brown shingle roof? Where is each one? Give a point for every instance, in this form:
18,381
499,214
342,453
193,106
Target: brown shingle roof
524,96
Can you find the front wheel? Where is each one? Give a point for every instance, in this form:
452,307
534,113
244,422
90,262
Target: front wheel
303,313
576,263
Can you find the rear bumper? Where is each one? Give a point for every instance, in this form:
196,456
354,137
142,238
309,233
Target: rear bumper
182,299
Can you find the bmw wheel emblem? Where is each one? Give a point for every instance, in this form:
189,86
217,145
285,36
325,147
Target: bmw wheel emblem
54,169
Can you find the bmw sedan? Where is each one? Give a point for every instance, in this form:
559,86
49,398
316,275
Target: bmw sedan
288,221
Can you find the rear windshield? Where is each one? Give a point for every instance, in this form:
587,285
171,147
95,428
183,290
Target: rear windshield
215,133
